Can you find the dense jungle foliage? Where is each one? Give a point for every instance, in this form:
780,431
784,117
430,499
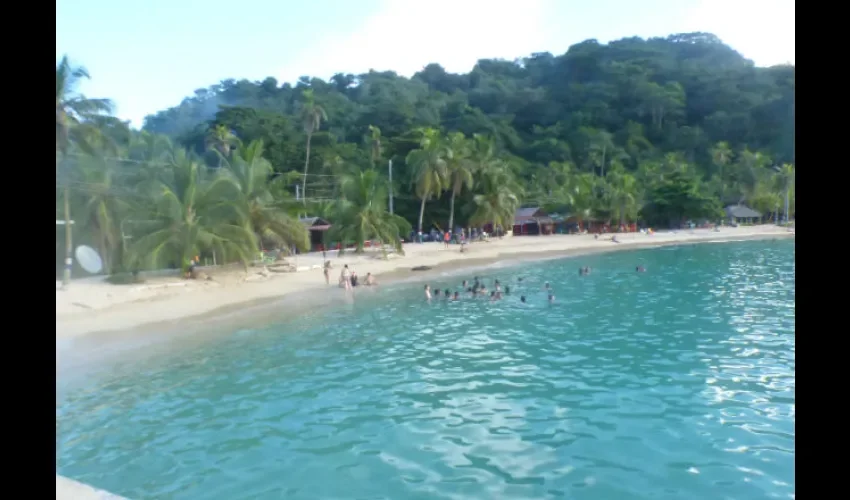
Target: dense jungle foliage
660,130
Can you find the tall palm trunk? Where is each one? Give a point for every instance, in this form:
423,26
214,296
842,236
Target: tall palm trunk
306,167
66,274
104,254
604,150
421,212
452,211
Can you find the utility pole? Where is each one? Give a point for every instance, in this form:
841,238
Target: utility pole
69,261
391,186
787,191
69,247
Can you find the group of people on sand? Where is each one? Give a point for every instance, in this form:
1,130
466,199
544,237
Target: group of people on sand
348,278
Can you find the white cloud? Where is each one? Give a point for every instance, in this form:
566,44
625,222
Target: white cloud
761,30
404,36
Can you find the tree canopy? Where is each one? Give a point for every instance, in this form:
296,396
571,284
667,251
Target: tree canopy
660,129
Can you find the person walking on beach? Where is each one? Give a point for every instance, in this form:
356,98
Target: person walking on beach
446,237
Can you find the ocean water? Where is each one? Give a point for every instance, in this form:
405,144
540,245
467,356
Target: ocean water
674,383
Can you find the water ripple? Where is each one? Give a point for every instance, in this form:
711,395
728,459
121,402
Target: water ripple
675,383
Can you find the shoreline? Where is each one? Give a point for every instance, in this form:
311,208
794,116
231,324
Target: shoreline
132,310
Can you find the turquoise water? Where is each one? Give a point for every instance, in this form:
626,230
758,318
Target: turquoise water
674,383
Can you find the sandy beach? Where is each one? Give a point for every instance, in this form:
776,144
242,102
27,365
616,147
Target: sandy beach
91,305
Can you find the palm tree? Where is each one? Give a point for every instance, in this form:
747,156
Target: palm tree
460,169
788,175
252,174
601,149
221,139
311,118
375,144
583,195
749,169
74,113
499,198
103,205
429,168
190,215
622,194
721,156
145,146
361,213
554,184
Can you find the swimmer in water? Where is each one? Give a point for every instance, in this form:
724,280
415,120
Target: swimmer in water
546,286
507,290
640,269
437,292
492,296
428,292
519,279
447,293
522,298
463,285
551,298
456,296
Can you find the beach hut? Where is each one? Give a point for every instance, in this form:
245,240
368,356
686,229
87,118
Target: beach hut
742,214
532,221
317,227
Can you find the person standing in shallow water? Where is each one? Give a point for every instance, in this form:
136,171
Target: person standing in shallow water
327,272
345,277
428,292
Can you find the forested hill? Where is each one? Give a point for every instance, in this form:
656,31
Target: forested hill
681,93
594,108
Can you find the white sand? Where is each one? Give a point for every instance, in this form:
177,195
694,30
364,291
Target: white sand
92,305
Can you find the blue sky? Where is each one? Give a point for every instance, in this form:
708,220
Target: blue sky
148,55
